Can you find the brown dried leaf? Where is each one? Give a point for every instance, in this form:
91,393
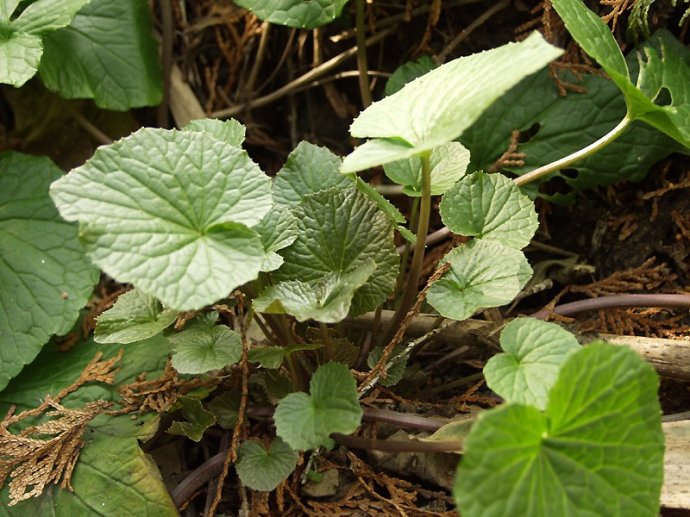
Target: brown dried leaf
645,277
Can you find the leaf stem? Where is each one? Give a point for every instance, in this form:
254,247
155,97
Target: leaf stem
362,66
327,342
577,155
410,292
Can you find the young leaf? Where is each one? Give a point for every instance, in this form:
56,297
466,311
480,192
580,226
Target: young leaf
268,356
261,469
229,131
305,421
21,43
225,408
339,231
278,229
308,169
425,115
448,164
664,66
45,277
198,420
326,299
396,372
201,349
135,316
482,274
534,352
490,206
295,13
388,208
166,211
597,449
408,72
82,60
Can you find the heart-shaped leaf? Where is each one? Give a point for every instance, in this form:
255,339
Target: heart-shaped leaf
436,108
597,449
200,349
332,406
278,229
482,274
534,352
490,206
168,211
229,131
261,469
339,231
135,316
197,420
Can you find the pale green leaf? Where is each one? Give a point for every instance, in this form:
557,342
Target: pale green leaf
229,131
306,421
295,13
546,121
408,72
111,461
20,55
268,356
448,164
45,277
166,211
7,8
482,274
664,67
197,420
340,230
135,316
437,107
534,352
597,449
108,54
308,169
200,349
261,469
278,229
326,299
490,206
455,430
388,208
45,16
226,408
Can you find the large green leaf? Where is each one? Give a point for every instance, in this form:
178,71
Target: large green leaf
340,230
168,211
490,206
534,351
597,449
326,299
332,406
111,461
448,164
295,13
201,348
535,108
437,107
262,469
308,169
482,274
108,54
135,316
45,277
21,44
229,131
664,67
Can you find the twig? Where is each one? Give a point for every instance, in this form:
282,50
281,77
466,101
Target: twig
372,444
313,74
96,133
260,53
679,301
362,66
167,23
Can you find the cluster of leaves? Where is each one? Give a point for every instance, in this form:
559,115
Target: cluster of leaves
187,218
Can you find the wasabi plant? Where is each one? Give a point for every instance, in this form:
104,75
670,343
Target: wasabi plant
198,229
